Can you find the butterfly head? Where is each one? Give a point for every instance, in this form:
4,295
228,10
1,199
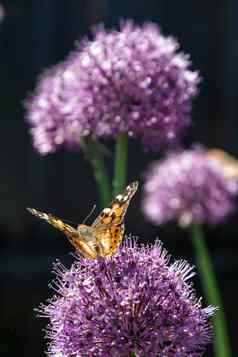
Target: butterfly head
83,229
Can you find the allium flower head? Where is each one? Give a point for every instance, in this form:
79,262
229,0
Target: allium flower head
132,80
192,186
134,300
47,114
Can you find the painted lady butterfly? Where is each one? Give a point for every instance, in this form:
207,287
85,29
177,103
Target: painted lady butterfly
104,235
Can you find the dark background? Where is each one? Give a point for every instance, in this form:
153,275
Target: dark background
38,33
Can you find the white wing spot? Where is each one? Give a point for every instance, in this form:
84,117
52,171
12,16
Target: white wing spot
107,210
119,197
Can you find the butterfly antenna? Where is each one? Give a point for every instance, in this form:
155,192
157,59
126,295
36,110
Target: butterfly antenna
90,213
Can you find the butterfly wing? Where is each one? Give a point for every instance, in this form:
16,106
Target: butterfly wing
116,210
109,238
108,228
87,249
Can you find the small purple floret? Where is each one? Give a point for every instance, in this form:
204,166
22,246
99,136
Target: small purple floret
133,80
189,187
135,300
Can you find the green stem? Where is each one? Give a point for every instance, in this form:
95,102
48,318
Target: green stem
94,154
120,168
211,290
132,354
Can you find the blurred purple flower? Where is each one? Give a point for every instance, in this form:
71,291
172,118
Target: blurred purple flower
133,80
192,186
2,13
134,300
47,114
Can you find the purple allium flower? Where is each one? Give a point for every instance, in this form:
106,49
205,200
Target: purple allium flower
133,80
192,186
51,126
134,300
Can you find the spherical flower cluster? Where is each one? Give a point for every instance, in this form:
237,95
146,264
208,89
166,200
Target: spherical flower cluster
132,80
50,116
192,186
134,301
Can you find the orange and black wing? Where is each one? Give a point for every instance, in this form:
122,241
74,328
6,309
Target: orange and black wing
77,240
116,210
108,228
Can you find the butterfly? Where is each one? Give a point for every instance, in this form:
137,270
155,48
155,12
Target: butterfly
103,237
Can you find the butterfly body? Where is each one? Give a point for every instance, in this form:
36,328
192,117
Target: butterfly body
103,237
86,231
